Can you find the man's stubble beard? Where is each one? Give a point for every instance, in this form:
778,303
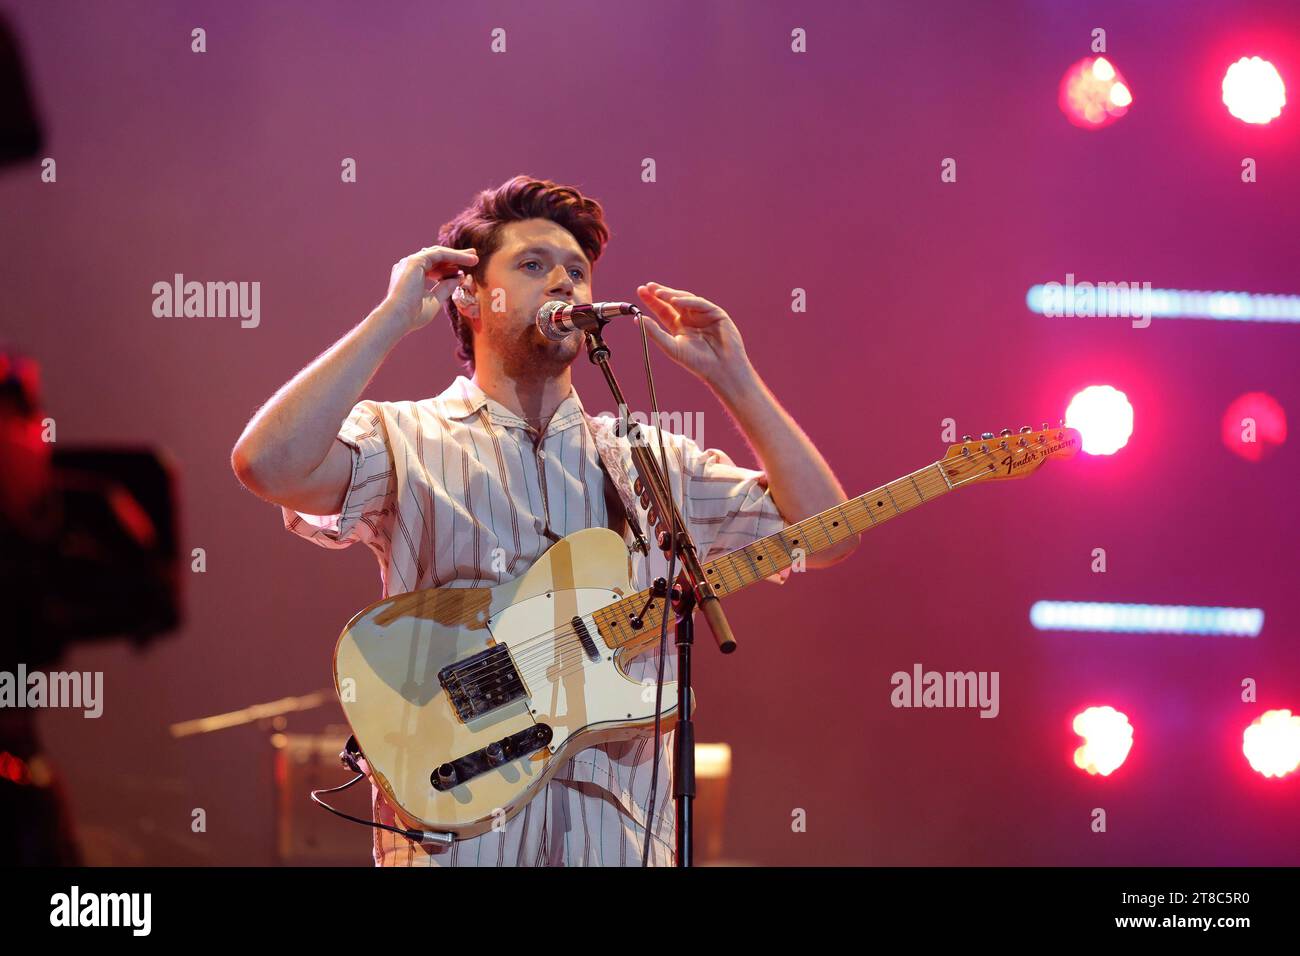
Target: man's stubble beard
530,355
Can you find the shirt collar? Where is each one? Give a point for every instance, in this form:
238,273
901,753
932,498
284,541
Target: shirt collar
463,399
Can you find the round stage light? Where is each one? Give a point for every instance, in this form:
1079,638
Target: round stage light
1254,426
1253,90
1272,743
1093,94
1103,416
1108,737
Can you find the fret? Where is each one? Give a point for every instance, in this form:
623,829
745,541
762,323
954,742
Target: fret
799,539
871,513
849,515
713,574
939,465
794,543
773,555
720,579
780,536
844,520
612,628
919,494
758,556
892,501
830,538
801,548
737,579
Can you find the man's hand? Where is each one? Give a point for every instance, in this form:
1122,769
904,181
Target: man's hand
421,284
696,334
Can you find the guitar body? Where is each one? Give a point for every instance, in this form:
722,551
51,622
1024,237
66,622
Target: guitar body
495,687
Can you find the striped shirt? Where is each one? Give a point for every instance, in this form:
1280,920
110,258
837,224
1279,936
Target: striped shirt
446,490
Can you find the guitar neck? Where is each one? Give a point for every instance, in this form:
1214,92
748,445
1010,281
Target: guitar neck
767,556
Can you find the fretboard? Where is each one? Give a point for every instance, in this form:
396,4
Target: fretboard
767,556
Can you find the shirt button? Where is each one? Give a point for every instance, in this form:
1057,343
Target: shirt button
541,455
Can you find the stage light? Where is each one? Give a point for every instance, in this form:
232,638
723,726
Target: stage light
1093,94
1253,90
1099,299
1254,426
1108,737
713,760
1104,417
1146,618
1272,743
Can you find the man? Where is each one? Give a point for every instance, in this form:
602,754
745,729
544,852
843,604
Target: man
469,488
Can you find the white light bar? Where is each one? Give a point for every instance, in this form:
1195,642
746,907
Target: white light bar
1146,618
1104,299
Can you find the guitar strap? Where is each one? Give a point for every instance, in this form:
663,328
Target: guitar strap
619,498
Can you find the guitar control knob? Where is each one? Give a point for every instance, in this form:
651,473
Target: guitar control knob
495,755
446,775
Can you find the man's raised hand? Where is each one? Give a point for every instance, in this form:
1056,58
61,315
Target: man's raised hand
421,283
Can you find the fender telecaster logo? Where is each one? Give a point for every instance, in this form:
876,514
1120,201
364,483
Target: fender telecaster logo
1011,463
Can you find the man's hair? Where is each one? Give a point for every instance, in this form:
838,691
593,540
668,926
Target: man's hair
478,227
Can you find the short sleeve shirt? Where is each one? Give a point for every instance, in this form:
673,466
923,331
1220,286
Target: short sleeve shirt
458,491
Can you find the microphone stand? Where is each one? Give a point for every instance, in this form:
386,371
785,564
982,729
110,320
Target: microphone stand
692,589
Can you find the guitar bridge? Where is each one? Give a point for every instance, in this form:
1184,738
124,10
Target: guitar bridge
482,683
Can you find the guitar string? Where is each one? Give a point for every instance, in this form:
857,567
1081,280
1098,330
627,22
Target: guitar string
544,649
526,656
522,651
526,664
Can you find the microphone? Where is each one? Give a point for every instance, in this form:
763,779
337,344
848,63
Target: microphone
557,320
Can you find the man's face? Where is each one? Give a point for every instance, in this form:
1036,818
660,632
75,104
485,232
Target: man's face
537,261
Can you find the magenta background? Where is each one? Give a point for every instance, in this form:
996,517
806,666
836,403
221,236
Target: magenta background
775,170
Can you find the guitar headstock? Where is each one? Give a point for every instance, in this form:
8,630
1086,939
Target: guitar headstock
1008,454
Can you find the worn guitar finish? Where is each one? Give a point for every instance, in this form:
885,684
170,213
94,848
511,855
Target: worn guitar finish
465,701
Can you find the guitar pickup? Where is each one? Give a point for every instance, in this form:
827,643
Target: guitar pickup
482,683
588,645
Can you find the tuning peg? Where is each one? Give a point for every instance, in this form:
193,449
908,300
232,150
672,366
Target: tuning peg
1005,432
1025,429
1046,426
986,436
967,438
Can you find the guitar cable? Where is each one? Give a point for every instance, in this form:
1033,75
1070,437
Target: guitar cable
350,756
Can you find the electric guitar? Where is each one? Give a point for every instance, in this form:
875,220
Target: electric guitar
466,701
